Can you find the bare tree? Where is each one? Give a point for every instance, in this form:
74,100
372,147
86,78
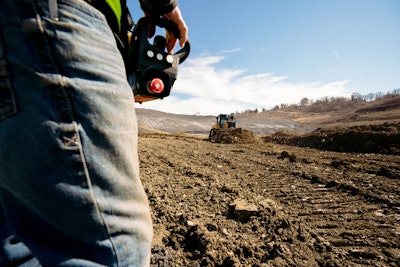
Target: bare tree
304,102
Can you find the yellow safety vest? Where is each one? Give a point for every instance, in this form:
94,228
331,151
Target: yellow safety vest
116,8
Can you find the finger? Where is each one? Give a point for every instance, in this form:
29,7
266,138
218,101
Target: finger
171,44
170,41
176,17
183,31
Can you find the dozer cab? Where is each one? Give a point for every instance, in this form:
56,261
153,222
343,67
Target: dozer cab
225,123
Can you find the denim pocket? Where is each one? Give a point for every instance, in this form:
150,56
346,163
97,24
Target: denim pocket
8,106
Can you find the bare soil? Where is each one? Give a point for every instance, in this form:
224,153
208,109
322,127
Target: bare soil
328,197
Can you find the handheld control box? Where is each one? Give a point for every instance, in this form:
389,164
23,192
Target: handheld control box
151,70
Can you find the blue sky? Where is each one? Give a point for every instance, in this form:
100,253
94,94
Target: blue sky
262,53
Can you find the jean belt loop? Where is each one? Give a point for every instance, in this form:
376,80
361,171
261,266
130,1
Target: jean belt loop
53,9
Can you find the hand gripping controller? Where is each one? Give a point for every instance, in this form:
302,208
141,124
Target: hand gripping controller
151,70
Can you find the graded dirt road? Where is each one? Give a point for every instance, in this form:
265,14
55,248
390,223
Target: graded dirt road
258,203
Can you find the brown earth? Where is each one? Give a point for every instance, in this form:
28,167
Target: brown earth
330,197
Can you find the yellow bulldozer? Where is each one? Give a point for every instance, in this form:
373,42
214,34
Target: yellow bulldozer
224,125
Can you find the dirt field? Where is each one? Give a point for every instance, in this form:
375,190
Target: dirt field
255,200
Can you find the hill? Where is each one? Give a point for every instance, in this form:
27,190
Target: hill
161,122
302,119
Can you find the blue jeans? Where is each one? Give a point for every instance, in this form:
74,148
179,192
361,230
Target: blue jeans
69,175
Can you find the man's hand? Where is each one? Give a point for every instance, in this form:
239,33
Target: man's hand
176,17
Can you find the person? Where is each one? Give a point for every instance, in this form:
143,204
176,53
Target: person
70,189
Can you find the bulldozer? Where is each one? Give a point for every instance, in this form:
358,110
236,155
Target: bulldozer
225,125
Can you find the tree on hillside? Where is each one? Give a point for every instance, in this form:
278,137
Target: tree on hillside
304,102
356,97
326,104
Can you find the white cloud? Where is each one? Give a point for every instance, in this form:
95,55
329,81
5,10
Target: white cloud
203,87
231,50
336,53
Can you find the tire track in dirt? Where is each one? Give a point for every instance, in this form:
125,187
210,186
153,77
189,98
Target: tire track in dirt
348,217
343,222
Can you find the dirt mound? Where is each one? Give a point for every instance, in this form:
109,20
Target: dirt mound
382,105
231,136
381,139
